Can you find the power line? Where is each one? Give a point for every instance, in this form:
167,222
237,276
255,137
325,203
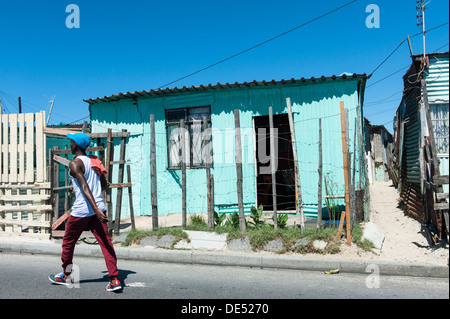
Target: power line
395,72
78,120
436,50
400,44
257,45
387,58
388,76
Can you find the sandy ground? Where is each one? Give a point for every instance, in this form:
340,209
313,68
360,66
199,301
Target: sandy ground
403,242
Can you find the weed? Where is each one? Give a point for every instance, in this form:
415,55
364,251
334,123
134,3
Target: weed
256,216
331,203
135,236
281,220
357,233
233,220
197,222
219,219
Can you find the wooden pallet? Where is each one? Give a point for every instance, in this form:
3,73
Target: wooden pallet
24,190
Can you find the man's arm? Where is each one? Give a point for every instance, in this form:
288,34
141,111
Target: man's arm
76,171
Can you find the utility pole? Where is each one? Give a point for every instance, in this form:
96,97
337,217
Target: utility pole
421,21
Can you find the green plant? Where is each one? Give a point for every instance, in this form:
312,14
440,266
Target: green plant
219,219
197,220
331,203
256,216
357,233
135,236
233,220
281,220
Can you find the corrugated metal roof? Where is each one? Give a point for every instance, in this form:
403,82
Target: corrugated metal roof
218,86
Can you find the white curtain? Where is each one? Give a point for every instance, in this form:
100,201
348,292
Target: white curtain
174,146
197,141
439,118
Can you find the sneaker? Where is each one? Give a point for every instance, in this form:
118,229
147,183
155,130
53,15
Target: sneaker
114,285
59,279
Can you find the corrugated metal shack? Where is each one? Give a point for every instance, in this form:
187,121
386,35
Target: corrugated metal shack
426,93
380,156
312,99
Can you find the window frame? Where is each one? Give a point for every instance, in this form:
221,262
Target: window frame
188,125
438,123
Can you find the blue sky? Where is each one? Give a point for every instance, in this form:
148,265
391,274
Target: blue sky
141,45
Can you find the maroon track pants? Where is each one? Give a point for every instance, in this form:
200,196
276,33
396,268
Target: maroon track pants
74,227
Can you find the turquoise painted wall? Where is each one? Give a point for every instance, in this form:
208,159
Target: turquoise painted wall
310,101
444,170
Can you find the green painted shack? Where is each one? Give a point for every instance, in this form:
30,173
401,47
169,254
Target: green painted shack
312,99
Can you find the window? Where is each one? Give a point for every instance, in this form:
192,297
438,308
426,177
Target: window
439,118
196,145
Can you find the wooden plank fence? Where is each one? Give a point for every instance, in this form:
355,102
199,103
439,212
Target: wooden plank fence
24,189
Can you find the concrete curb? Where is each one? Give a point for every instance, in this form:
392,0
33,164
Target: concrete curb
242,259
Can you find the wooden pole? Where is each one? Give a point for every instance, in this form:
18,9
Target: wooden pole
66,183
130,198
183,174
430,128
212,195
84,128
347,194
441,216
351,201
120,181
52,184
273,169
50,112
361,150
297,173
409,44
208,174
56,177
242,224
109,167
319,195
154,192
349,179
353,189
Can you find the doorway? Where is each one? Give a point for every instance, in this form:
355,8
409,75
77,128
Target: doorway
285,173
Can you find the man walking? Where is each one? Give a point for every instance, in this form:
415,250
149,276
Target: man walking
88,210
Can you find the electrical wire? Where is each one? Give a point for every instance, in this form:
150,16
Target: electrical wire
258,45
400,44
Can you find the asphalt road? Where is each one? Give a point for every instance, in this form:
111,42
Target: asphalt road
26,276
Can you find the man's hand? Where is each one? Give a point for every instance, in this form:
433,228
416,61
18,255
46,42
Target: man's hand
101,215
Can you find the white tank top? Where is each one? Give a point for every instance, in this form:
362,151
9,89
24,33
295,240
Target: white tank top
81,207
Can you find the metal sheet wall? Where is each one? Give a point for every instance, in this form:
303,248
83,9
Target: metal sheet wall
310,102
437,76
